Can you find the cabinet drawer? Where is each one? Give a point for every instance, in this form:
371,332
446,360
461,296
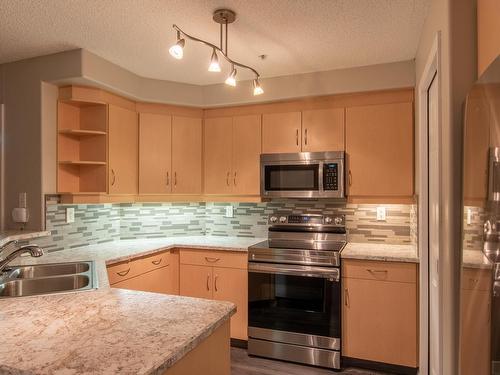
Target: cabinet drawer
154,261
214,258
123,271
382,271
476,279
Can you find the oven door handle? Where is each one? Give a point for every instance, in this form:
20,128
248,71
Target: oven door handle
333,274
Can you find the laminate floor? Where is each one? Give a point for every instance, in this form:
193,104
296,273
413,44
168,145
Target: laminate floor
242,364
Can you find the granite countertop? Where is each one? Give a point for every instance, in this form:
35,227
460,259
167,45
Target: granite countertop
380,252
12,235
108,331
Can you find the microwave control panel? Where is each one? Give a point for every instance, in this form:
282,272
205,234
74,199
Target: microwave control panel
330,176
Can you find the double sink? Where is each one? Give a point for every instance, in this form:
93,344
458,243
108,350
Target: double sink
19,281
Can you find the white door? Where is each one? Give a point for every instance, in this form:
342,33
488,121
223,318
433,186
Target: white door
433,229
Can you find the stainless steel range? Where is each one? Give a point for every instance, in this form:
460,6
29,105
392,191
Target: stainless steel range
294,290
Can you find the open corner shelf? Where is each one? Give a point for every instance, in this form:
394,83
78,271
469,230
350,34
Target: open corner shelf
81,132
82,162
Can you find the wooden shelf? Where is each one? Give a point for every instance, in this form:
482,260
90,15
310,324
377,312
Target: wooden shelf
81,132
82,162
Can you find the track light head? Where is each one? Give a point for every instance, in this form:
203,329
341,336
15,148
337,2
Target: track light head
257,89
177,50
214,62
231,80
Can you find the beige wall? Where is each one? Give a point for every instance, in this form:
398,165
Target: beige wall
23,128
49,95
455,20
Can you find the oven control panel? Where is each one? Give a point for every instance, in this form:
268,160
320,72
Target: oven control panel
330,176
336,220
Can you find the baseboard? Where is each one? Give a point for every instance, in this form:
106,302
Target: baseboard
237,343
378,366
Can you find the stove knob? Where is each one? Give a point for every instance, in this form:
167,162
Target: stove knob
283,219
328,220
273,219
338,220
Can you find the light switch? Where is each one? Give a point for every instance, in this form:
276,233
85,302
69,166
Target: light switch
229,211
70,215
381,213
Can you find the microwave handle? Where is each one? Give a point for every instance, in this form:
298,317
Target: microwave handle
332,274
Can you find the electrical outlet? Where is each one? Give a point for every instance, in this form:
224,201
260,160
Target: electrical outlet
70,215
469,216
381,213
229,211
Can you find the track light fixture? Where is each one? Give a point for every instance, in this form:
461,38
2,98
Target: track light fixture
223,17
231,79
177,50
214,63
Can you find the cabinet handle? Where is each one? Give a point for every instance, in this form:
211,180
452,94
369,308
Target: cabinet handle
168,178
123,273
227,178
234,179
305,137
350,178
212,260
372,271
297,137
175,178
215,281
156,262
208,282
346,297
113,177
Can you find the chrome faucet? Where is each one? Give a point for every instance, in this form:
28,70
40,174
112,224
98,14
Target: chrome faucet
34,250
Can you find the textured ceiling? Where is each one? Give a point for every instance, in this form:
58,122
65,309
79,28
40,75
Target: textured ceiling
297,36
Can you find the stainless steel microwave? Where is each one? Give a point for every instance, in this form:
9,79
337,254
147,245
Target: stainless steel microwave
302,175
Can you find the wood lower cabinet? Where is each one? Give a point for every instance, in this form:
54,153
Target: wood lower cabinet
379,313
123,150
157,281
281,132
231,284
155,153
213,275
379,145
323,130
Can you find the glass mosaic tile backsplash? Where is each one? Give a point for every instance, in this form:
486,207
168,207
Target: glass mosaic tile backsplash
98,223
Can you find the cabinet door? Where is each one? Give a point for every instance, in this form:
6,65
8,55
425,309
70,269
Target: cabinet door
380,321
123,151
195,281
231,284
218,155
156,281
323,130
247,136
379,144
186,155
281,132
155,153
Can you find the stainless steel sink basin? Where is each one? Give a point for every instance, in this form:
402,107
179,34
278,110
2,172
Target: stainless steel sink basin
30,287
38,279
45,270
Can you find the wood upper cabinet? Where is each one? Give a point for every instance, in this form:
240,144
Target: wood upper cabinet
281,132
323,130
488,29
218,155
247,137
195,281
155,153
123,151
232,154
379,146
186,155
379,313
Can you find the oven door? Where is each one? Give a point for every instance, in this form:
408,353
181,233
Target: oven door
291,179
294,304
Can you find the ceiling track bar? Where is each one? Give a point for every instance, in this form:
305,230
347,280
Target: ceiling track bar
224,54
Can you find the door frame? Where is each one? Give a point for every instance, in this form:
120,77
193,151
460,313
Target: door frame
432,70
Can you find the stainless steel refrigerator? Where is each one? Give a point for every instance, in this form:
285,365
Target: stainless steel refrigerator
480,271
